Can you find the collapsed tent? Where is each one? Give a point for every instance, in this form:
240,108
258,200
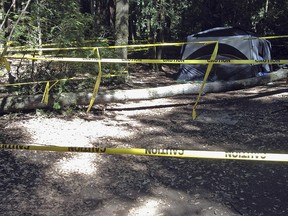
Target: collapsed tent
234,43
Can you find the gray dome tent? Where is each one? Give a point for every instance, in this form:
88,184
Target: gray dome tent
234,43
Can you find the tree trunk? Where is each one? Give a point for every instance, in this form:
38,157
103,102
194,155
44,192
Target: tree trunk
10,37
39,29
5,14
160,32
266,6
20,103
122,26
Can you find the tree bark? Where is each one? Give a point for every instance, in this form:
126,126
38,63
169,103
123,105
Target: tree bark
266,6
122,25
21,103
10,37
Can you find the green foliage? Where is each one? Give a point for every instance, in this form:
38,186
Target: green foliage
53,21
66,24
57,105
185,17
149,17
274,21
62,22
59,89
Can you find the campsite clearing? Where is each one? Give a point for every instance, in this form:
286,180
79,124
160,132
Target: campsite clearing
254,119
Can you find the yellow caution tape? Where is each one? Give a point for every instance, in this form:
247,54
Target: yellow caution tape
3,59
23,48
97,84
45,94
39,82
273,37
98,60
6,63
208,70
124,73
152,61
46,91
5,49
131,46
178,153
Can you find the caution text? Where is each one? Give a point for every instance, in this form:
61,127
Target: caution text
164,152
87,149
245,155
11,146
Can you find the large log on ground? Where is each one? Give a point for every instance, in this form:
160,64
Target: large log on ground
31,102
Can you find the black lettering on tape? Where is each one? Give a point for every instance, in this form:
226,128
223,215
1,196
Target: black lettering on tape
10,146
174,151
261,61
132,60
219,60
245,155
154,151
87,149
164,152
173,60
267,61
148,151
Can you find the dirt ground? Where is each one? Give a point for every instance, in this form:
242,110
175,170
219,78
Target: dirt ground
84,184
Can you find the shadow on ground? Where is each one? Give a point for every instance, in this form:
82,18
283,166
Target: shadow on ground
246,120
242,121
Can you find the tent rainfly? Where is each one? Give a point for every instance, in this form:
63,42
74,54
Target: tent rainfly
234,43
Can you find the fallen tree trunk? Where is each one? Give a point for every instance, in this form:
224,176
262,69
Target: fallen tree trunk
31,102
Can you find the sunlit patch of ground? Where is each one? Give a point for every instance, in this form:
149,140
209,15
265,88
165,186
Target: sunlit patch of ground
75,132
79,163
149,207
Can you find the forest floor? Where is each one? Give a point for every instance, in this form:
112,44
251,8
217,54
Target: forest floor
84,184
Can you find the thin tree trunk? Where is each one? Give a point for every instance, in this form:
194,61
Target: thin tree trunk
122,25
39,29
266,6
10,37
92,7
161,30
7,14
